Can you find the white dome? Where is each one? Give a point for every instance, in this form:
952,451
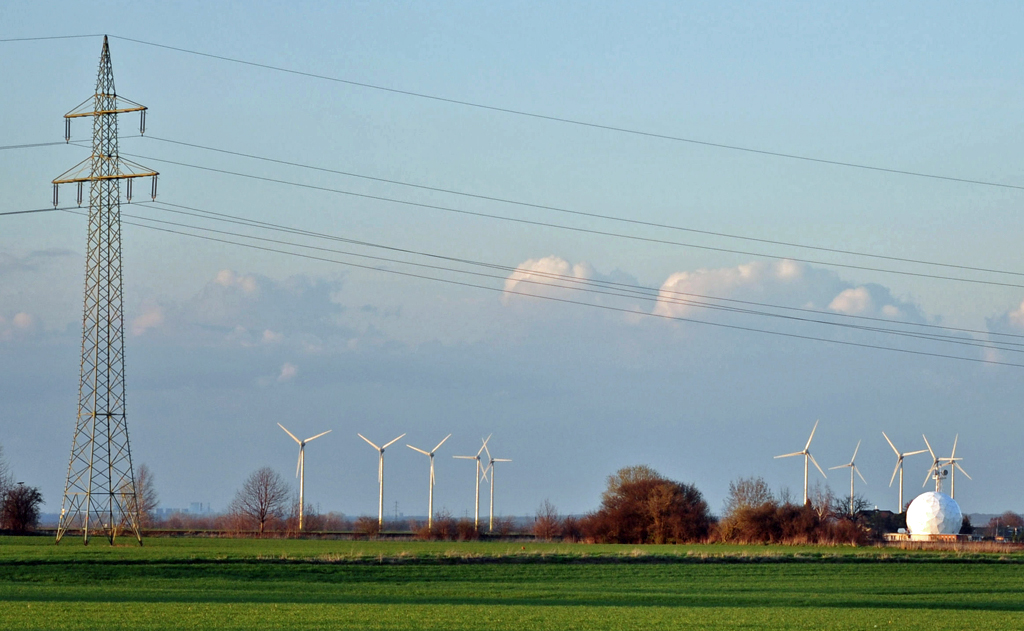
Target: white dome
934,513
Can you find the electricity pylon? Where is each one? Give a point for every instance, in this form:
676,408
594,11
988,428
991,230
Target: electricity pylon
100,494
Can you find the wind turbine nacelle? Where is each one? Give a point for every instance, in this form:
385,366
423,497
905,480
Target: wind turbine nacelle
934,513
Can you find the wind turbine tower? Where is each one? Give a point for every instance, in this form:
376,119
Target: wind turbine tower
100,493
300,468
380,476
899,467
853,467
490,469
430,501
806,453
476,508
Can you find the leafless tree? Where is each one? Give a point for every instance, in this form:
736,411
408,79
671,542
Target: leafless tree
20,510
548,524
5,474
747,493
264,496
145,495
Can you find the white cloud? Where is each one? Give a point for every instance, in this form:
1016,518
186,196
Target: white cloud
288,372
152,317
536,276
854,301
270,337
22,321
785,283
1016,317
228,278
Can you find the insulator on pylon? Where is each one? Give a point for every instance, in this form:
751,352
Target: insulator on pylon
154,188
142,123
80,194
54,195
67,130
129,190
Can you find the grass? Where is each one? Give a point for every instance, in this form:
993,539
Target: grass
276,584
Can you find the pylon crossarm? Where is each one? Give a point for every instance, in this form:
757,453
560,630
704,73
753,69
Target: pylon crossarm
84,109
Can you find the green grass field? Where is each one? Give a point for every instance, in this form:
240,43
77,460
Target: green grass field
248,584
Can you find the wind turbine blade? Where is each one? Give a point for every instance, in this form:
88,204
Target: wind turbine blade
957,465
928,445
289,433
484,446
298,464
858,473
894,473
318,435
392,442
466,457
927,475
855,450
502,460
425,453
891,445
796,453
914,453
816,465
488,452
368,440
953,455
808,445
440,443
842,466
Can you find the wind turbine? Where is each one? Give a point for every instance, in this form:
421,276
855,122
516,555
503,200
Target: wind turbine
953,461
807,456
899,466
300,468
490,467
476,510
430,503
380,476
936,469
853,467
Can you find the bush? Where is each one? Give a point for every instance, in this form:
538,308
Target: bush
367,526
641,506
467,530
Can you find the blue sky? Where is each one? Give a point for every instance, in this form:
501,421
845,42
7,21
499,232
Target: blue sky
224,341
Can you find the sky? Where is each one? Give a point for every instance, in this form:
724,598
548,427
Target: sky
225,341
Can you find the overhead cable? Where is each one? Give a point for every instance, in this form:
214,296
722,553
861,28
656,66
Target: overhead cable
576,122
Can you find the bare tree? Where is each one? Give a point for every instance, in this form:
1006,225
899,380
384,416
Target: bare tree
20,510
747,493
548,524
823,500
5,474
263,496
144,500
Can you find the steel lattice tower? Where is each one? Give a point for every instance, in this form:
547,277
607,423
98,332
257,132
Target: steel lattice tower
100,491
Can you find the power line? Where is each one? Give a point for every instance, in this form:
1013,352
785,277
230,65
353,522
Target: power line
580,123
29,146
578,229
39,39
570,301
628,294
642,293
35,210
583,213
640,289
